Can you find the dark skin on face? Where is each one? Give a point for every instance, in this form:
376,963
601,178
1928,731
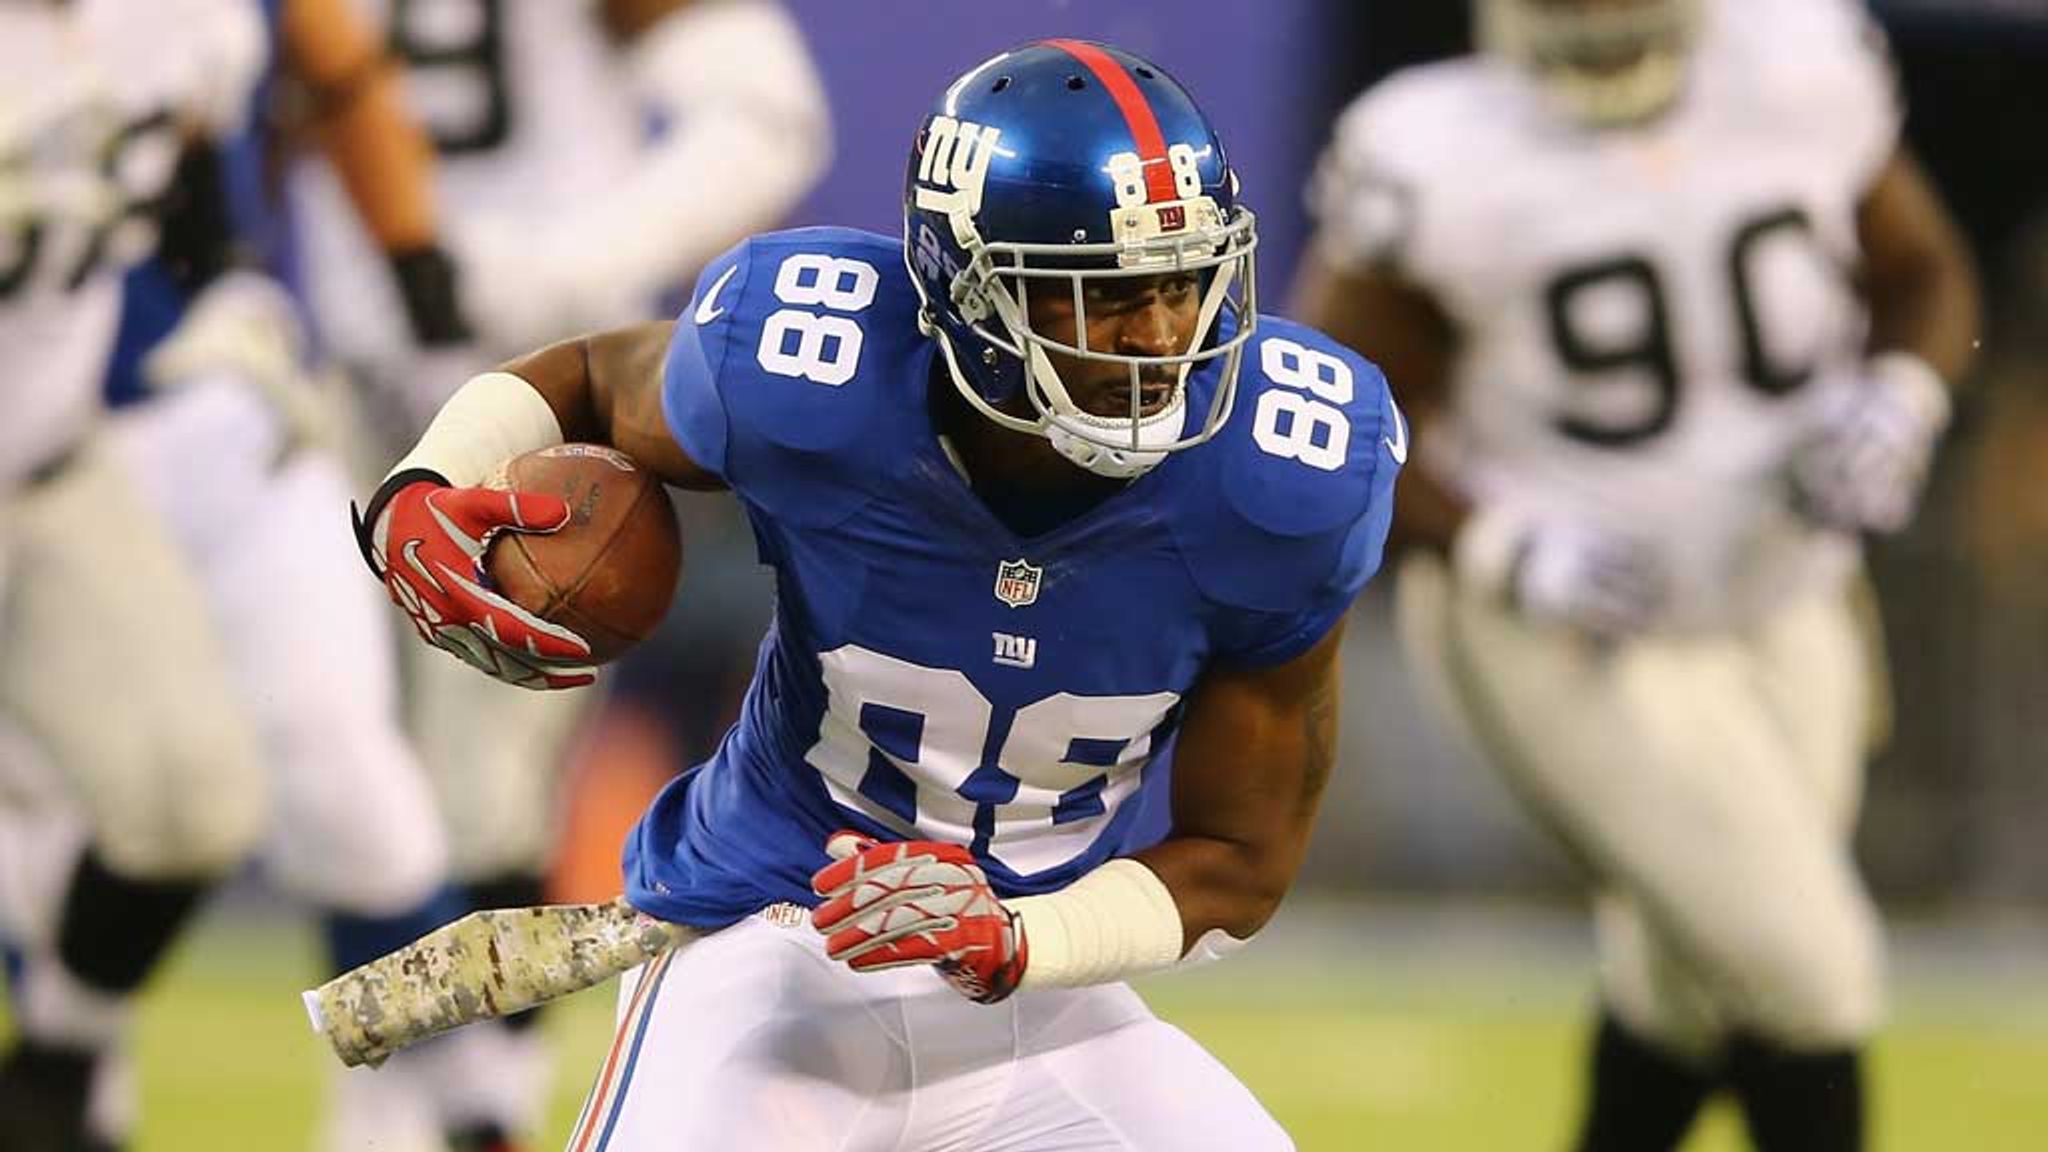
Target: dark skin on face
1136,316
1257,744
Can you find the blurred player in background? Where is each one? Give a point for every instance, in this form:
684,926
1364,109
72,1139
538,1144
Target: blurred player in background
115,695
591,156
1045,419
239,448
1675,317
233,447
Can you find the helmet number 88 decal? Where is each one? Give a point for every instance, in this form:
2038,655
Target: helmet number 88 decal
817,346
1128,170
1307,424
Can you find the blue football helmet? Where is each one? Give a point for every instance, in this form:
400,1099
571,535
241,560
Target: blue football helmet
1057,164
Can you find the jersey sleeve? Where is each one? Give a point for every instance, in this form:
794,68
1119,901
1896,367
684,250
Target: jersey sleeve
786,372
1302,510
690,397
1359,197
1859,101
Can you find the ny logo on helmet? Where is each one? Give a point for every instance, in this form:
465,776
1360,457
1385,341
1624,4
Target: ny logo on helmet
955,156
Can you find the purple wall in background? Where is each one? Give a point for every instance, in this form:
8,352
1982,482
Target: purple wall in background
1259,77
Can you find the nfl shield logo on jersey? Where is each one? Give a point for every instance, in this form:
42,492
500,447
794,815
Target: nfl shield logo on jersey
1017,582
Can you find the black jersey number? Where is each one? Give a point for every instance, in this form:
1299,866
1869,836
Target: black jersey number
137,193
455,58
1649,354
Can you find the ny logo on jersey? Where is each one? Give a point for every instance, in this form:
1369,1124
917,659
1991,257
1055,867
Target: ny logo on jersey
1017,582
1015,651
955,155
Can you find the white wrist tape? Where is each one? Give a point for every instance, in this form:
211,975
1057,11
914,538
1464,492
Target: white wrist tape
489,420
1116,922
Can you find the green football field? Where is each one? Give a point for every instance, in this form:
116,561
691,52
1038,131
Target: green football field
1437,1035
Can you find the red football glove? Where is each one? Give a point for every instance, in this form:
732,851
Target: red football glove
426,541
918,902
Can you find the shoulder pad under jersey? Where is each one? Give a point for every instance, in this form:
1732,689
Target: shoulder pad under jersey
1296,491
797,372
1422,140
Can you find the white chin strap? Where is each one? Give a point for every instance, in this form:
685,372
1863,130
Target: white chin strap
1161,428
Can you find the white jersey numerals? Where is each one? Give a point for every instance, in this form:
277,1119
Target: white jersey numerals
817,346
904,743
1307,424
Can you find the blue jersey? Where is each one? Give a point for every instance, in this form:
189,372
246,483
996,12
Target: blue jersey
930,673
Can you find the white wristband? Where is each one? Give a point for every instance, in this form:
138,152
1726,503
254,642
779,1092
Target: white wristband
1118,921
489,420
1917,387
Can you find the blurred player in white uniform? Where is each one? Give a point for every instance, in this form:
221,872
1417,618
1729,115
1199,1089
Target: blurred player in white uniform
592,154
114,699
1673,314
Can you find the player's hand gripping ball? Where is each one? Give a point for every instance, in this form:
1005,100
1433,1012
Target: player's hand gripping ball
568,557
606,575
918,902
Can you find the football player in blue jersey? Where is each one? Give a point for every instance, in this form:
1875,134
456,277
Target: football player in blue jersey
1050,508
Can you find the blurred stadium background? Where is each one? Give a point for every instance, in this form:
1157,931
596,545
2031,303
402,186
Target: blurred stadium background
1425,988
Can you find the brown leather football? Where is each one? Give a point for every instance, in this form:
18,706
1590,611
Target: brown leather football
609,573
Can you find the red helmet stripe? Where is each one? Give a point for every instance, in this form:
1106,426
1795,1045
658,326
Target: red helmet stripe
1137,114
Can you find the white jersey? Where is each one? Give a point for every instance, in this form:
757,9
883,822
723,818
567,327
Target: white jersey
532,116
94,97
1646,318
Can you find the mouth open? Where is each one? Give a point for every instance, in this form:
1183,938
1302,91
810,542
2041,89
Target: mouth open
1111,399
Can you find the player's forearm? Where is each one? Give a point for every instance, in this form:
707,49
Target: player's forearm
1920,281
1241,832
386,164
382,156
1219,885
598,389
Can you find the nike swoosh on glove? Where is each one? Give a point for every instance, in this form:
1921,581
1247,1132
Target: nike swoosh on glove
426,542
918,902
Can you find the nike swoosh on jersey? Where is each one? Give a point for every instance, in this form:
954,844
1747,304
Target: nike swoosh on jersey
706,308
1397,444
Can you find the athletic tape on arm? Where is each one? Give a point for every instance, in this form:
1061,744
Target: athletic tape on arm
488,421
1116,922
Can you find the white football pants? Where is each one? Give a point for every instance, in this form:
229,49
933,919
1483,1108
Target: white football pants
113,675
1707,783
352,825
751,1038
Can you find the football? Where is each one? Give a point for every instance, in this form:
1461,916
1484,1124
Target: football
608,575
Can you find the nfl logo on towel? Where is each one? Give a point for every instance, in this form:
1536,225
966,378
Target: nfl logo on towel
1017,582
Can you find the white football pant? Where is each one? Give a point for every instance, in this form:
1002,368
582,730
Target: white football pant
113,674
352,824
1708,783
751,1038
